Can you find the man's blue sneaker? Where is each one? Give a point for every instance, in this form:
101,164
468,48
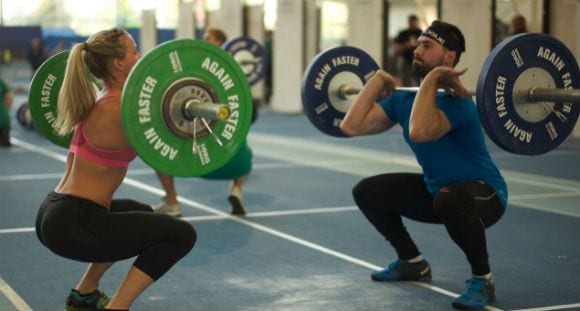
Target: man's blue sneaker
478,293
401,270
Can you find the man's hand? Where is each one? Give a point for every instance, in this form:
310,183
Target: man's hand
388,83
365,116
448,79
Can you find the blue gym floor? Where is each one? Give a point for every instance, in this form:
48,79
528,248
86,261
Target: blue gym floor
304,245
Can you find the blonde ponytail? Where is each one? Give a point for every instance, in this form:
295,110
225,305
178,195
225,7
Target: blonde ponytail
77,94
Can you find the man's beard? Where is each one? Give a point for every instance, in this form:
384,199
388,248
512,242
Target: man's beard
422,69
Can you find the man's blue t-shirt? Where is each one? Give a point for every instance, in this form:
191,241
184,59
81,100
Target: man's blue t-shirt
460,155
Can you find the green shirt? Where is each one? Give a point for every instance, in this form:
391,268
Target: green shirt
4,113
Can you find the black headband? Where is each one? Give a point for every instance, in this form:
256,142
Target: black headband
437,32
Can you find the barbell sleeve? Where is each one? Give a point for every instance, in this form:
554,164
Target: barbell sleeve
244,62
214,111
347,90
538,94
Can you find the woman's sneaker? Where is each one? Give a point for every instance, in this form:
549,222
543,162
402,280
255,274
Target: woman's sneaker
478,293
401,270
236,200
95,301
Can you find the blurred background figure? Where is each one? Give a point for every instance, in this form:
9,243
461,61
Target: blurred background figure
6,100
404,45
518,24
37,54
60,46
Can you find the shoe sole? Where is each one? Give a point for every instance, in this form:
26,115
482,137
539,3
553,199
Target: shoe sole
69,308
460,306
425,279
237,207
169,214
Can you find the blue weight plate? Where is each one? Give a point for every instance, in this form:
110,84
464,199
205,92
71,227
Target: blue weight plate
323,77
515,65
251,56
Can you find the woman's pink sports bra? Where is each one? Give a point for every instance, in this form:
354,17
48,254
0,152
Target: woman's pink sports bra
81,146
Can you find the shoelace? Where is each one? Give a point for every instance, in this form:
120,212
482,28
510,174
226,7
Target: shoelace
394,264
103,300
475,287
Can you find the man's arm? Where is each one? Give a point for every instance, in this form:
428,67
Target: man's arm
427,122
365,116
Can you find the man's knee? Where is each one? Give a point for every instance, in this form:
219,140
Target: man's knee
450,202
361,192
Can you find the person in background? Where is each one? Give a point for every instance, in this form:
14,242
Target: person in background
518,25
6,101
237,169
404,45
59,47
37,54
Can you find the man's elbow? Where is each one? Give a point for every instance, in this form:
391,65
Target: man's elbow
415,136
348,129
420,136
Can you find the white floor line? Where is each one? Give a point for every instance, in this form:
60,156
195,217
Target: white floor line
303,211
280,234
542,181
49,153
203,218
13,297
574,306
17,230
149,171
315,149
543,208
27,177
303,151
220,217
544,195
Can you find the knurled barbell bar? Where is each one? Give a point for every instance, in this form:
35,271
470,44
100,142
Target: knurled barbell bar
525,92
186,106
534,94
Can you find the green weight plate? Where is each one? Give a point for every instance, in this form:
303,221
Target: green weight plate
43,97
153,103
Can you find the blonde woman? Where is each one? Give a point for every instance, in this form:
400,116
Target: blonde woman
79,219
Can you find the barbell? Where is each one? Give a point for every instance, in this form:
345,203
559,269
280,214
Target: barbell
525,93
186,106
248,53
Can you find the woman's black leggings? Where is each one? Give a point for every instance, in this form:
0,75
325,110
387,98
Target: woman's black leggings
465,208
83,230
